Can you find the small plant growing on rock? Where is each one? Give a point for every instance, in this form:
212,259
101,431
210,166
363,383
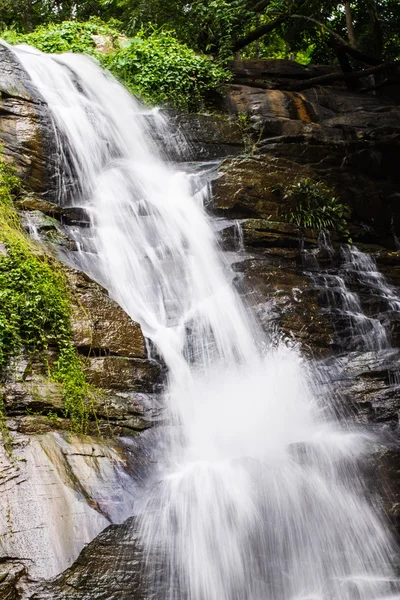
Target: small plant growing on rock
313,205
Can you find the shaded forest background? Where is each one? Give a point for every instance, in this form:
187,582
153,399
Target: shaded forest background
196,40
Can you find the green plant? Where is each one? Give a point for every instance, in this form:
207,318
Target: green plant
153,65
6,436
161,70
35,306
68,36
312,204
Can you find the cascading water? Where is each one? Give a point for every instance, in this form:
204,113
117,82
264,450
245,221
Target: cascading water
256,494
356,330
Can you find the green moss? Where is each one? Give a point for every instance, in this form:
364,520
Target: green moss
34,305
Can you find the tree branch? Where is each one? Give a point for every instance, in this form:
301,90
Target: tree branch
259,32
365,58
323,26
303,85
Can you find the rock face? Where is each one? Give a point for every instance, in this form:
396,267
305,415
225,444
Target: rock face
99,324
59,491
26,130
110,568
350,141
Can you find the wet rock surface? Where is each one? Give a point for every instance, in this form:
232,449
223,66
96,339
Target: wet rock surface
26,130
60,491
205,136
99,324
109,568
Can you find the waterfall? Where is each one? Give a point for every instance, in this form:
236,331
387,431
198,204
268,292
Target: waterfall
355,329
256,493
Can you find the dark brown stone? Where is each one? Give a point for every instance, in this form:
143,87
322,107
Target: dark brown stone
26,129
99,323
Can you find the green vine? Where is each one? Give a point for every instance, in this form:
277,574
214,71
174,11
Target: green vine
35,306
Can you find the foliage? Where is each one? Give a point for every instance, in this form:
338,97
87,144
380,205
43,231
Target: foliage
161,70
34,304
312,205
25,15
4,431
153,65
216,25
69,36
68,371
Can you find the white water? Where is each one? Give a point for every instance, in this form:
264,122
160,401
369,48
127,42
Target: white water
366,333
357,330
364,268
256,494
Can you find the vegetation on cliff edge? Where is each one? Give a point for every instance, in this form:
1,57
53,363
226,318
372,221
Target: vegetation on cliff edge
153,65
34,305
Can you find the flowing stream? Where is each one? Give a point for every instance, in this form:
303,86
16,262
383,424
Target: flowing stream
256,493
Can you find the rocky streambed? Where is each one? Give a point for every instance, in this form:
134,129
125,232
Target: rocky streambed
66,517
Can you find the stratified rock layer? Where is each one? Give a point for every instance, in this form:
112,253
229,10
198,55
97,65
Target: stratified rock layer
26,129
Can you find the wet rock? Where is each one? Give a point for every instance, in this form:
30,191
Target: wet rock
351,141
284,297
110,568
75,215
99,324
47,228
26,129
384,469
367,386
35,203
121,373
252,187
207,137
11,573
38,395
266,233
58,493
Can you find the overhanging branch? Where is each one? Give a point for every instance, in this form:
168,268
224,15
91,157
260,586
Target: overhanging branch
330,77
259,32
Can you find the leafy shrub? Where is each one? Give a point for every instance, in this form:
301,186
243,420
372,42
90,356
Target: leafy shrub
153,65
313,205
161,70
34,304
69,36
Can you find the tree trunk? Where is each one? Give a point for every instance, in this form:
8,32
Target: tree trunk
376,28
344,62
351,34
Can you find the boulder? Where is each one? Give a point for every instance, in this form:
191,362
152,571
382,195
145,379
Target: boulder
109,568
99,324
203,137
59,491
